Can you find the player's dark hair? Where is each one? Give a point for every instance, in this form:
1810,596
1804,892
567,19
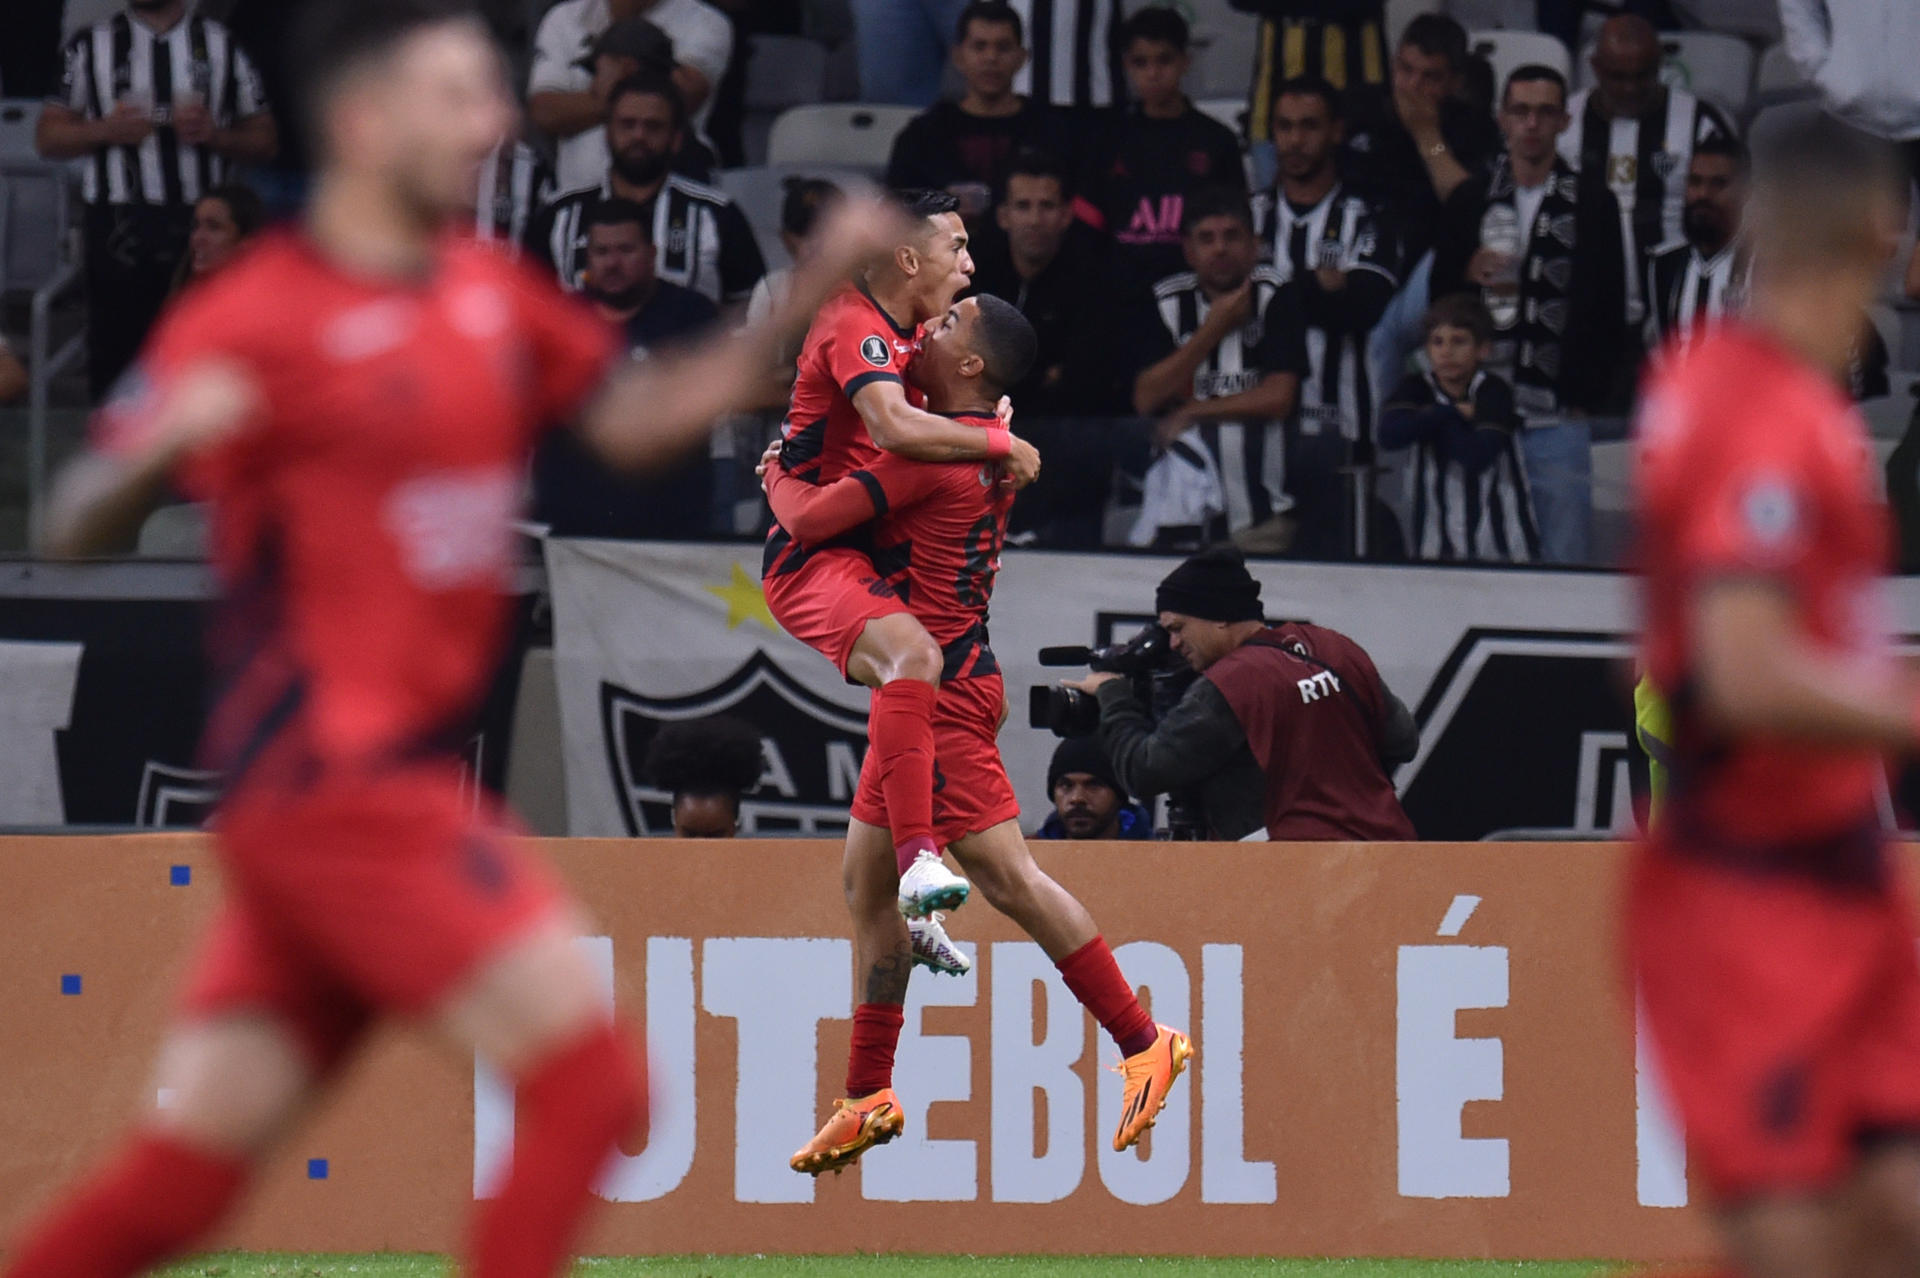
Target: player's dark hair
1004,340
1158,24
1460,310
1727,147
333,38
923,202
805,200
613,211
1033,162
1535,73
653,85
1311,86
714,757
1438,36
1818,185
1215,201
994,11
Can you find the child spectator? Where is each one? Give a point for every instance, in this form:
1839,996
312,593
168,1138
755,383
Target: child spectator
1467,487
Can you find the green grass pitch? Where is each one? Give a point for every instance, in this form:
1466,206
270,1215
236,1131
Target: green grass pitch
238,1265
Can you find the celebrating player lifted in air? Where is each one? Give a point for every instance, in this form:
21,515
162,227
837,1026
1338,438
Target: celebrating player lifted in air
849,404
1771,941
357,400
938,537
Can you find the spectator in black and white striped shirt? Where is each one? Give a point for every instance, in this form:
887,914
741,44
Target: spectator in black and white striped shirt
1700,278
159,102
703,240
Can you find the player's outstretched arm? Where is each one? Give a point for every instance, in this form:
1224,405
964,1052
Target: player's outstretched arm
651,413
816,513
899,427
101,498
1757,674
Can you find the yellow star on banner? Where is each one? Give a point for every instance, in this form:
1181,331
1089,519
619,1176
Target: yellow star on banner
745,601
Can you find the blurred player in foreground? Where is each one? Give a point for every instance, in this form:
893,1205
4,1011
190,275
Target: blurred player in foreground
1771,940
849,404
357,400
940,530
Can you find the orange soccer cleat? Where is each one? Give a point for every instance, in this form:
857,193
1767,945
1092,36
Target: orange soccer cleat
1149,1077
855,1127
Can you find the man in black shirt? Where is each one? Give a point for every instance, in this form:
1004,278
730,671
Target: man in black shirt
573,491
1054,269
964,147
1156,152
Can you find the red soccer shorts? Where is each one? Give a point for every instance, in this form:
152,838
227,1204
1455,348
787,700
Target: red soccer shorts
1785,1017
363,896
827,602
971,792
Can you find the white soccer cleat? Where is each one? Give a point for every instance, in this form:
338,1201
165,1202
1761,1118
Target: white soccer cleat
933,948
928,885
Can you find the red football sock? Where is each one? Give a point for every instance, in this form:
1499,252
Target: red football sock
900,727
1095,980
154,1201
876,1032
573,1107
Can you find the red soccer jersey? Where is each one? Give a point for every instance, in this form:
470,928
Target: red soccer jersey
940,529
1750,463
851,344
362,523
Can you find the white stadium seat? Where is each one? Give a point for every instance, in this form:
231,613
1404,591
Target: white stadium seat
782,72
843,134
1223,47
18,119
1229,111
1487,15
759,192
1777,79
1507,51
1713,66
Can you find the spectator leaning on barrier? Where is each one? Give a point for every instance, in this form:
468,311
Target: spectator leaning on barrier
1541,245
1636,135
574,492
703,239
964,146
157,102
223,220
574,73
1149,156
1088,802
706,765
1221,352
1467,485
1289,727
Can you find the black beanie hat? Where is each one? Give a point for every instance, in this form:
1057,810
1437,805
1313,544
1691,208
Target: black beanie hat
1083,754
1213,586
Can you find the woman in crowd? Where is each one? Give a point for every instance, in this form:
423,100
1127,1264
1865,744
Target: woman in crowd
223,219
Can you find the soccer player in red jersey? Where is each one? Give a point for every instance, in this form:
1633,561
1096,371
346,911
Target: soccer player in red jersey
1771,941
849,404
357,400
939,535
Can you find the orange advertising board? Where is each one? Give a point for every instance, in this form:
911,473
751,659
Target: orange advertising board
1419,1050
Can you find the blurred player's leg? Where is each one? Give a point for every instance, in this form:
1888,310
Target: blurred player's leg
999,861
536,1012
869,1114
1883,1212
898,659
1783,1238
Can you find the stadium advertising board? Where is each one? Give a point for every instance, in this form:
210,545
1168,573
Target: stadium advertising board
1518,679
1407,1050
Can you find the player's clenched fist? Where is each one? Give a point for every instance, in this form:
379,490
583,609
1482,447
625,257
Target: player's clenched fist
1022,465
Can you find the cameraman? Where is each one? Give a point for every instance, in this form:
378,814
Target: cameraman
1289,727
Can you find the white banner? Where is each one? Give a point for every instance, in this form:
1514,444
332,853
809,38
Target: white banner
1519,679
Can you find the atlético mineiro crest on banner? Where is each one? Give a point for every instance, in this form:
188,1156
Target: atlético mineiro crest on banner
812,748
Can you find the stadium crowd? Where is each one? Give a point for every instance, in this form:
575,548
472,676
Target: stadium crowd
1322,279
